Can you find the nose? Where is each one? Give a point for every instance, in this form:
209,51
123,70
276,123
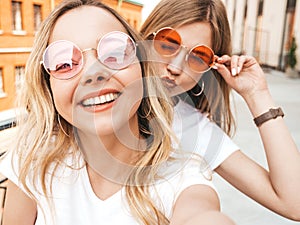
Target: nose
176,64
93,70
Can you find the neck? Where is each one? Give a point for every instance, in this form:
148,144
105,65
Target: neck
109,155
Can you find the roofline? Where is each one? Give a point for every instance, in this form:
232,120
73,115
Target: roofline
134,2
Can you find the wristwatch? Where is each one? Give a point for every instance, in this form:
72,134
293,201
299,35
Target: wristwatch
271,114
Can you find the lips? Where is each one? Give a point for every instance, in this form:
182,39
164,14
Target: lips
169,83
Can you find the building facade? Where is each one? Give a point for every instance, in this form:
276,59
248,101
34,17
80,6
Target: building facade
264,29
19,22
130,10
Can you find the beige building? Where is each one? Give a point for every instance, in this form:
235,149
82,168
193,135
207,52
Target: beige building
264,29
19,21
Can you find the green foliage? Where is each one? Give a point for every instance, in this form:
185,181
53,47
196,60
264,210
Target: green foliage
291,57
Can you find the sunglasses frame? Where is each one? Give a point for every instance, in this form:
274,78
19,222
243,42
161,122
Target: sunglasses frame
189,50
42,62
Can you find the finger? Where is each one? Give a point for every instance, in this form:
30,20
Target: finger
225,59
234,65
223,71
240,64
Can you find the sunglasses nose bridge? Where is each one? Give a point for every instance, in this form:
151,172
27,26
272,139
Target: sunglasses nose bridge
93,70
176,64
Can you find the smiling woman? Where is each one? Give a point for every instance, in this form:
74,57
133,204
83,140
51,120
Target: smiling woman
95,144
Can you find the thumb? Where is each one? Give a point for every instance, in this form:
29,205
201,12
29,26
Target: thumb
224,72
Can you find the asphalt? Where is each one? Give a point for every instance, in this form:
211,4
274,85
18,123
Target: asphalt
243,210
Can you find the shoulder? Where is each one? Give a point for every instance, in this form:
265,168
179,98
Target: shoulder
64,170
196,133
184,109
179,175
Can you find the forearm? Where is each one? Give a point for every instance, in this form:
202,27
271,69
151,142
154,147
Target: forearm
281,151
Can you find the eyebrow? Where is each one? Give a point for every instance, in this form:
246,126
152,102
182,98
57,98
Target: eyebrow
203,53
205,56
171,40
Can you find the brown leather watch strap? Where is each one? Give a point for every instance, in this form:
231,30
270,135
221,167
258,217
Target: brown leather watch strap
271,114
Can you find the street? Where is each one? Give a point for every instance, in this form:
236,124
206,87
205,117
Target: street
243,210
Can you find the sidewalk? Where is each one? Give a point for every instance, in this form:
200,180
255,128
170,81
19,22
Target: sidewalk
244,211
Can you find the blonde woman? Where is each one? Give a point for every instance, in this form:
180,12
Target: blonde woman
94,146
191,40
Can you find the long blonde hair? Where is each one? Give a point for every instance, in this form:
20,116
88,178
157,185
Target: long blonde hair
176,13
40,153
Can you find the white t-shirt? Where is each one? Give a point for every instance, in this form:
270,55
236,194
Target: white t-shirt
196,133
76,203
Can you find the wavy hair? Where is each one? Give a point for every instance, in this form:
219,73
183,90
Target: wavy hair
175,13
42,146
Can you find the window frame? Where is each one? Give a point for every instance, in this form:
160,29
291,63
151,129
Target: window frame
17,17
2,86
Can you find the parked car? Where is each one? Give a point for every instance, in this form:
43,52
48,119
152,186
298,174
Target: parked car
7,119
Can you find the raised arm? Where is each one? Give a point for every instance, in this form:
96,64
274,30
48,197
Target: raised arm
19,208
276,189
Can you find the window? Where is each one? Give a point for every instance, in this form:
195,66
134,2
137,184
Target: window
291,4
16,16
260,8
19,76
1,31
2,91
1,83
37,16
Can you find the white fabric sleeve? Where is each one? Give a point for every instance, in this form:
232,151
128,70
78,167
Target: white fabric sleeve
218,148
197,134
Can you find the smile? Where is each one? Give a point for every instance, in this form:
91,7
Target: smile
100,100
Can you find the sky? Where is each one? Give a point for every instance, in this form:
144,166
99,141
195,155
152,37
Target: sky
148,6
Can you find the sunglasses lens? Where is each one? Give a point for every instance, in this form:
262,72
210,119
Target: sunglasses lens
62,59
167,42
116,50
200,58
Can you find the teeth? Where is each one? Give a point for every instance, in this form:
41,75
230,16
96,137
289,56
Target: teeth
100,99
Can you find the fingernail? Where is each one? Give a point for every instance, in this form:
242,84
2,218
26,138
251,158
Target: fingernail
220,59
233,71
239,69
215,67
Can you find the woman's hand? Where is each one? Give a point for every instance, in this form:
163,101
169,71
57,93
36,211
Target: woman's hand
244,75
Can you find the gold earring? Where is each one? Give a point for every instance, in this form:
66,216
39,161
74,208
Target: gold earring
61,127
200,92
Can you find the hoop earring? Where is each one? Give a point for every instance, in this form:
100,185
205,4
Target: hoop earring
61,127
201,91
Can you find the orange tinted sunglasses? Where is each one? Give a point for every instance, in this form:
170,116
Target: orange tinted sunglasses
167,43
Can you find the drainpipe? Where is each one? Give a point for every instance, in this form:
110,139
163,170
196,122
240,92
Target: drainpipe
281,62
